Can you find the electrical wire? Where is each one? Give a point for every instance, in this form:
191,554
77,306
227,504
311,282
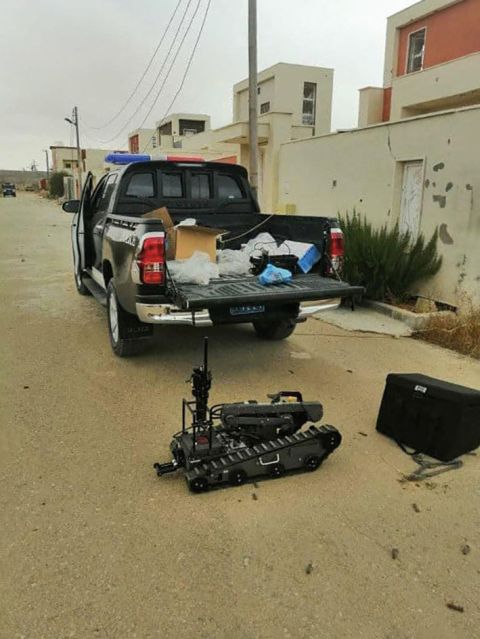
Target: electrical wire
161,69
147,68
232,239
189,63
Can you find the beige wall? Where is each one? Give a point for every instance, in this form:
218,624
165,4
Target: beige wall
370,106
144,139
438,84
363,168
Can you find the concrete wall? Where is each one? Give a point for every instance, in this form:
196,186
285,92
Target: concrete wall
362,169
459,80
370,106
144,139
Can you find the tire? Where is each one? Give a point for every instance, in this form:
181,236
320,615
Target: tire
312,463
198,485
277,470
124,328
275,330
237,477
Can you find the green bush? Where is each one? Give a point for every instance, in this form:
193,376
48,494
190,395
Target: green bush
386,261
55,184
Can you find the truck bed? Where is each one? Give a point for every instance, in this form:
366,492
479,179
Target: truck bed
242,291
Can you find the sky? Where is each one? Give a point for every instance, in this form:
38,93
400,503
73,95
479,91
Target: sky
56,54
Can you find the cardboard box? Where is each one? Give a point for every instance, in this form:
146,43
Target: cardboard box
189,239
183,241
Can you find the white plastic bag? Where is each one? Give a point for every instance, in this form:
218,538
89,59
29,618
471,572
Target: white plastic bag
231,262
262,242
196,270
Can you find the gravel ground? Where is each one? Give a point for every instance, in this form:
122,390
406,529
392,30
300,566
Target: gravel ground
93,544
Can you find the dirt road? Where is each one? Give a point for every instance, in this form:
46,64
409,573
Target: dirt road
93,544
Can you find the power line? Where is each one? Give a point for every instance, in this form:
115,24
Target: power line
147,68
160,71
187,69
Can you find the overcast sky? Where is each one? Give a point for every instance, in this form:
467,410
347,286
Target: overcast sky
54,54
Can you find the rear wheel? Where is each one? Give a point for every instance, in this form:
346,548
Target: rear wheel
127,334
312,463
237,477
198,485
277,470
274,330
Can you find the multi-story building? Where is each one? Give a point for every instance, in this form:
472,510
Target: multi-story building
294,102
432,62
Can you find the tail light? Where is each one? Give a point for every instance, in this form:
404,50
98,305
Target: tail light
336,251
151,261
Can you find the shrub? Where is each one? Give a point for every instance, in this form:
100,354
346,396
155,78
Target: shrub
55,184
386,262
459,332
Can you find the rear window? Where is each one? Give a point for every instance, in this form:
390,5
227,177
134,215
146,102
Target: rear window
228,188
141,185
172,185
200,184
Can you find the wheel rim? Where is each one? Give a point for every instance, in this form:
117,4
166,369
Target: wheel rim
313,463
113,314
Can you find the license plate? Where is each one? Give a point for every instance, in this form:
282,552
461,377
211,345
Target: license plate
246,310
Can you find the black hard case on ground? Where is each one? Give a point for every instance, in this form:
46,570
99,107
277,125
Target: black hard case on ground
429,415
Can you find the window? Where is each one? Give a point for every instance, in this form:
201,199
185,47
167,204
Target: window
265,107
416,49
141,185
165,129
190,127
200,184
107,192
172,185
228,189
309,103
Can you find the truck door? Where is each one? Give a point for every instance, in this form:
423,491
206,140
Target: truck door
78,230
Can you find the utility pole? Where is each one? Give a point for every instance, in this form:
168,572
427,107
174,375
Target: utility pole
74,121
252,94
48,165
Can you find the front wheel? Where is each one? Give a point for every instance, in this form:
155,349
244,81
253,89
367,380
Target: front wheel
127,333
274,330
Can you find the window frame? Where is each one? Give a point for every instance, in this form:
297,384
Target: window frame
409,44
193,174
172,171
237,182
154,183
312,101
265,107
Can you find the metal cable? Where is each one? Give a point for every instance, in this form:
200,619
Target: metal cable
147,68
160,71
187,69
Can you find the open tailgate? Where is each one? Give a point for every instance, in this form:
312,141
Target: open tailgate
238,292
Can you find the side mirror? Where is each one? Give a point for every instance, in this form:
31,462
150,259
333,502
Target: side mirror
71,206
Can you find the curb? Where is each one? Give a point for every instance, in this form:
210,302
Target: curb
416,321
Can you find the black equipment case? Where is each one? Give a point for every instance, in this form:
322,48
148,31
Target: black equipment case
429,415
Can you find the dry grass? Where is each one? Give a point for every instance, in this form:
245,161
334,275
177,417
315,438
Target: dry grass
459,332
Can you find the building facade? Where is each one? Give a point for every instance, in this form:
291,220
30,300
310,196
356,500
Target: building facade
414,158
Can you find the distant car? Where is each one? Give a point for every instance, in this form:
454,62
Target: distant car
8,190
29,187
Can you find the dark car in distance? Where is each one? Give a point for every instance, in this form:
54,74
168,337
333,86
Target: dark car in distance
9,190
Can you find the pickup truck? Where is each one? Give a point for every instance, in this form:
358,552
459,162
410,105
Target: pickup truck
119,256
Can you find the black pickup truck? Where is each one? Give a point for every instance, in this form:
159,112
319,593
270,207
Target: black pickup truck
119,256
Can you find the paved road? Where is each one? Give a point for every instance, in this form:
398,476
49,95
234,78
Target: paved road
94,545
